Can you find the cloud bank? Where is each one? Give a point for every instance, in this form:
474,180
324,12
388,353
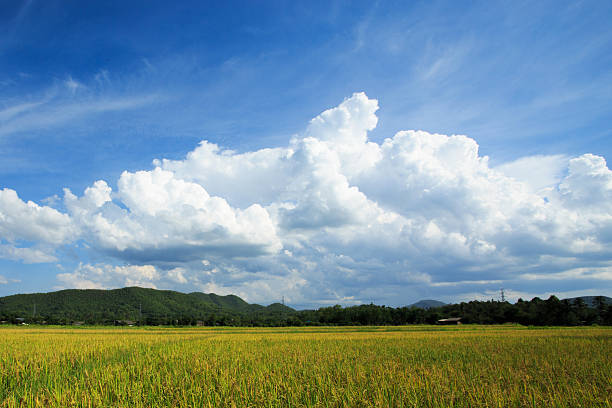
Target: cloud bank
333,217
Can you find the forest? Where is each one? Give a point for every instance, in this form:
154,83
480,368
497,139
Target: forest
151,307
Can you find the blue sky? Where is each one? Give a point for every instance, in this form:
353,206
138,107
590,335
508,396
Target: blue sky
90,91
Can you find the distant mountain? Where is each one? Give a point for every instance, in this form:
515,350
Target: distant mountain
230,302
591,301
428,304
279,307
150,306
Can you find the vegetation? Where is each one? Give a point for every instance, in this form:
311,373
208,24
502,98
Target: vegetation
536,312
163,307
139,305
408,366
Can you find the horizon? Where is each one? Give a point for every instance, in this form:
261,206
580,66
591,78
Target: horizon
331,153
314,307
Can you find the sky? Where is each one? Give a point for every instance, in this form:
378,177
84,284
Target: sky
328,152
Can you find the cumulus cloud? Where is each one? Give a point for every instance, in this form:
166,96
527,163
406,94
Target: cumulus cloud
26,255
588,185
418,209
335,217
28,221
177,275
28,231
263,282
538,172
103,276
162,217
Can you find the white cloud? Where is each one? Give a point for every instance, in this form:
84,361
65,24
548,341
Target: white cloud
177,275
166,218
603,273
27,255
263,288
335,217
15,110
21,220
538,172
103,276
588,185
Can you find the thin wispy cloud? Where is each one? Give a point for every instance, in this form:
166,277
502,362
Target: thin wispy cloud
16,110
52,112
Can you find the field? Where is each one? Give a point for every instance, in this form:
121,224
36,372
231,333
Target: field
410,366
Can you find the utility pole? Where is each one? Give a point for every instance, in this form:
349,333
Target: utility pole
140,315
283,300
503,297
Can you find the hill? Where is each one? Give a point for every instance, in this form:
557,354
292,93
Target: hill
134,304
165,307
427,304
591,301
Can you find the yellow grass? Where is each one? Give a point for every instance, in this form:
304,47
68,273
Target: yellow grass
414,366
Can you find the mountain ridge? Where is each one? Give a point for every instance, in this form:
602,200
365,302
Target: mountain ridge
428,304
151,306
145,306
591,301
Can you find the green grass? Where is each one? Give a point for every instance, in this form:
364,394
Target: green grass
411,366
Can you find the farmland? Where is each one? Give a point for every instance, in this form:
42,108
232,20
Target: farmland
464,366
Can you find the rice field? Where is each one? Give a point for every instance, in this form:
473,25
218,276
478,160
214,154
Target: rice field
409,366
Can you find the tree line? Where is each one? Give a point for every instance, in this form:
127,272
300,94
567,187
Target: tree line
537,312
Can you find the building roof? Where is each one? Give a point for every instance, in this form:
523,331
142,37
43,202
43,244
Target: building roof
450,319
